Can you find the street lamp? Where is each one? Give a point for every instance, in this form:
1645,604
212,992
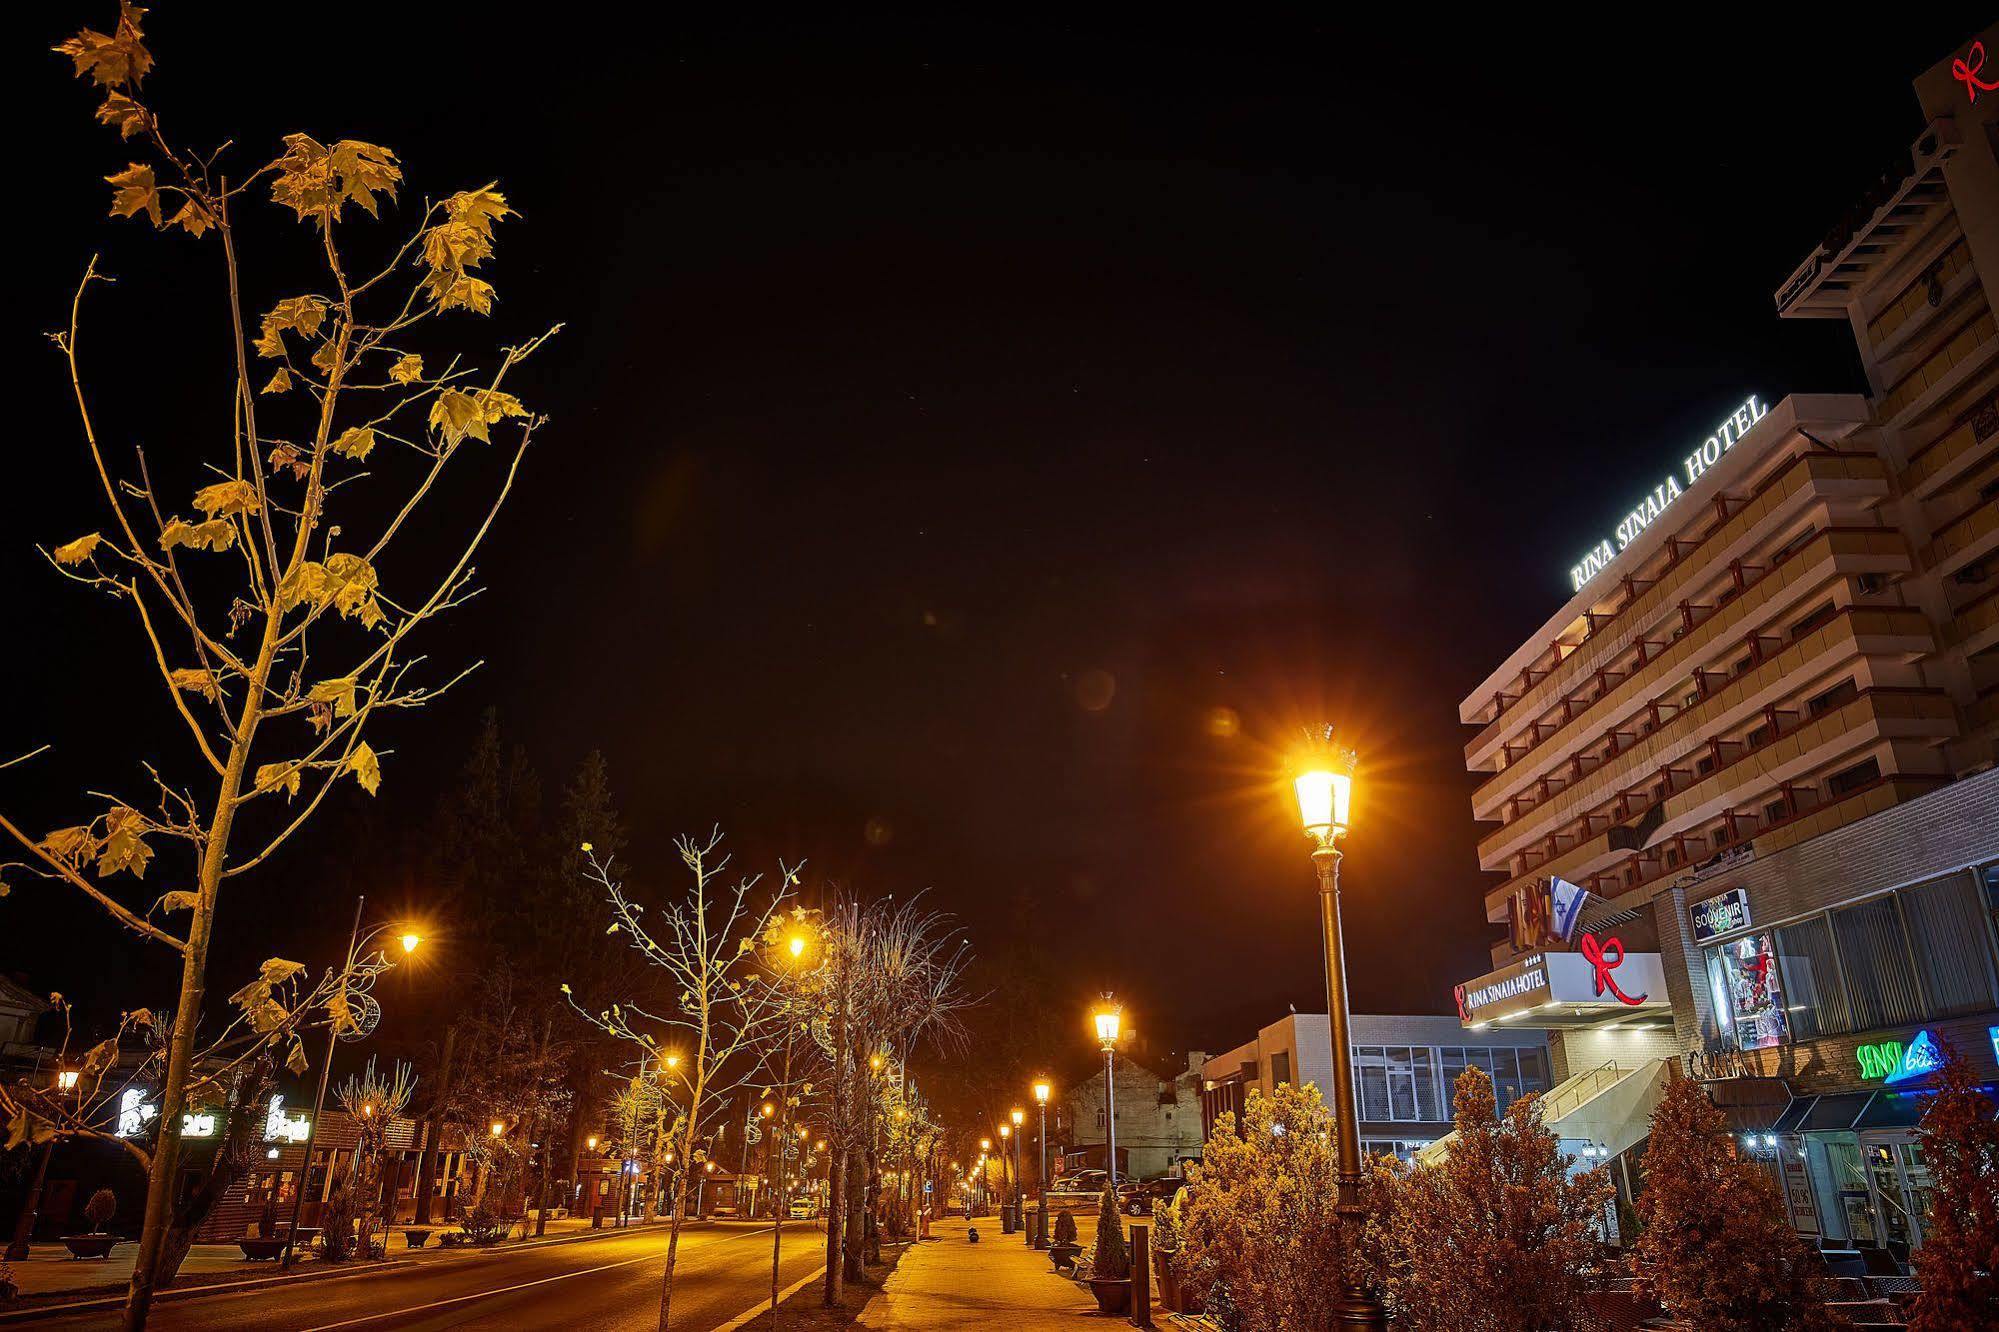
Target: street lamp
1042,1090
1109,1020
410,942
498,1128
1325,798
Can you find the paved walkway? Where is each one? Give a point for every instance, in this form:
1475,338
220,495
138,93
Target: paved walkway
49,1269
996,1285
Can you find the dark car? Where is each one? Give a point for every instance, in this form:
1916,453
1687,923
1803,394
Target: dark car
1139,1199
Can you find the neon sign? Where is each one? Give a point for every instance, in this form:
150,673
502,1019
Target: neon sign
277,1128
1967,72
1607,957
1891,1062
1732,428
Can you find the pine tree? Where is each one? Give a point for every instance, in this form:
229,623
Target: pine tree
1113,1259
1718,1246
1498,1237
1959,1259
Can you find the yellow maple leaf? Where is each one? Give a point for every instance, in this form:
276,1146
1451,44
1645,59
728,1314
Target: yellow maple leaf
281,382
134,192
193,218
79,550
407,369
215,534
112,61
196,681
122,114
123,847
366,767
70,845
227,497
355,442
340,693
270,776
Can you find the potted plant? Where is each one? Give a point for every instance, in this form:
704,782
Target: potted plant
1064,1250
103,1205
10,1289
1165,1249
416,1236
1110,1271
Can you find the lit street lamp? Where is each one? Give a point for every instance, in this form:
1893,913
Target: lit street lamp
1042,1090
1325,797
1108,1022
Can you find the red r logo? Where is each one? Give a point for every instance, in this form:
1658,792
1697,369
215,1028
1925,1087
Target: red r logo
1607,957
1967,72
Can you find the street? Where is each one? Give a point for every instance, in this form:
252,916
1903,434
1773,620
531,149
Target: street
604,1284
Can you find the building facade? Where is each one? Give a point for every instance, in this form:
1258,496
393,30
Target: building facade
1404,1068
1742,787
1158,1120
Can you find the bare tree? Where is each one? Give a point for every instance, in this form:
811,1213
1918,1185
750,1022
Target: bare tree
718,1007
264,615
373,1101
234,1073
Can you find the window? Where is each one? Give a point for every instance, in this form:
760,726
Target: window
1947,938
1748,991
1372,1082
1838,696
1533,1070
1873,952
1853,778
1812,621
1811,979
1280,1068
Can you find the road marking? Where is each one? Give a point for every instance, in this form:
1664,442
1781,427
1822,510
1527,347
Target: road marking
757,1310
529,1285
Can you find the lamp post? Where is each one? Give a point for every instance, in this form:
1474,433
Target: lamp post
24,1224
1042,1089
1019,1117
1109,1020
1325,796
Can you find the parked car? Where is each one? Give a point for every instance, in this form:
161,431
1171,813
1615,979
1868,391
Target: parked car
1084,1183
1139,1199
803,1209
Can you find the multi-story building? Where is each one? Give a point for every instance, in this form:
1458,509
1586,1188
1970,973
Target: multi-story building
1404,1070
1158,1117
1761,731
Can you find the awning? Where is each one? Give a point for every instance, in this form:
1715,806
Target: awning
1893,1110
1794,1115
1830,1114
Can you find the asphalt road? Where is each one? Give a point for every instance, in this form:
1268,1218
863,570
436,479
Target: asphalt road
607,1284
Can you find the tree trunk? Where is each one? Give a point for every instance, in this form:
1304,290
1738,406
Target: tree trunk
229,1165
857,1217
426,1162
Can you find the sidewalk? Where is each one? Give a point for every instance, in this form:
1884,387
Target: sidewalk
996,1285
49,1269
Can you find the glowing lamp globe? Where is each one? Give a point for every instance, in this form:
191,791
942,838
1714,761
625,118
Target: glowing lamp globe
410,942
1108,1023
1042,1091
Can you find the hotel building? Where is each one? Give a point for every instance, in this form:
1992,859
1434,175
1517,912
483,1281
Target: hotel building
1761,731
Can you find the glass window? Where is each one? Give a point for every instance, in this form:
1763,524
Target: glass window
1817,1004
1451,1062
1948,934
1372,1082
1743,973
1534,1070
1401,1082
1280,1068
1880,984
1426,1082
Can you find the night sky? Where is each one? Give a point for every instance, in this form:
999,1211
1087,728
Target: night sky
955,415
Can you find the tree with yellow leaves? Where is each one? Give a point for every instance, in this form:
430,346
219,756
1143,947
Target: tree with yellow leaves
274,638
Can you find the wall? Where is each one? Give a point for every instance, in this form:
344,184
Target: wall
1158,1119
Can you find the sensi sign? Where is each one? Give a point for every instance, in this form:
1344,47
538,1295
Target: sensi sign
1732,428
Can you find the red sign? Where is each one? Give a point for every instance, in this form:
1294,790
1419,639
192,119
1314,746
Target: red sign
1607,957
1966,71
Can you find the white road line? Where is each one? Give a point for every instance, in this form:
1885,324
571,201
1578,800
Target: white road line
757,1310
524,1285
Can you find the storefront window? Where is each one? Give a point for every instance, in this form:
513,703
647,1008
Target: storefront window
1810,970
1745,978
1880,983
1947,930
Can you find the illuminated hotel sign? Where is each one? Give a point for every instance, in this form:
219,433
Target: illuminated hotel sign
1732,428
1530,975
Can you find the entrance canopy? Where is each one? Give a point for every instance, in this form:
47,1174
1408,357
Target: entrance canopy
1599,982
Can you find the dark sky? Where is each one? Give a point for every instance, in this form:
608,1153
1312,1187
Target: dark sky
954,412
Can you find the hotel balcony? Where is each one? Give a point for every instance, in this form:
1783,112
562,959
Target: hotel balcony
1718,634
1851,480
1681,800
1654,870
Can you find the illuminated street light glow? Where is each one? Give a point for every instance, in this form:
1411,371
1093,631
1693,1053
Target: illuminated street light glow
410,942
1042,1090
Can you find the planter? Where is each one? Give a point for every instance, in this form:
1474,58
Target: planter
1169,1285
1064,1255
1113,1297
89,1246
261,1250
417,1237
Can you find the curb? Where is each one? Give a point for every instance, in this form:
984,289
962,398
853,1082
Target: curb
93,1304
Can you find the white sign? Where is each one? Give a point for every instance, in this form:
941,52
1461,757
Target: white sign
277,1128
133,1112
1532,976
1732,428
197,1126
